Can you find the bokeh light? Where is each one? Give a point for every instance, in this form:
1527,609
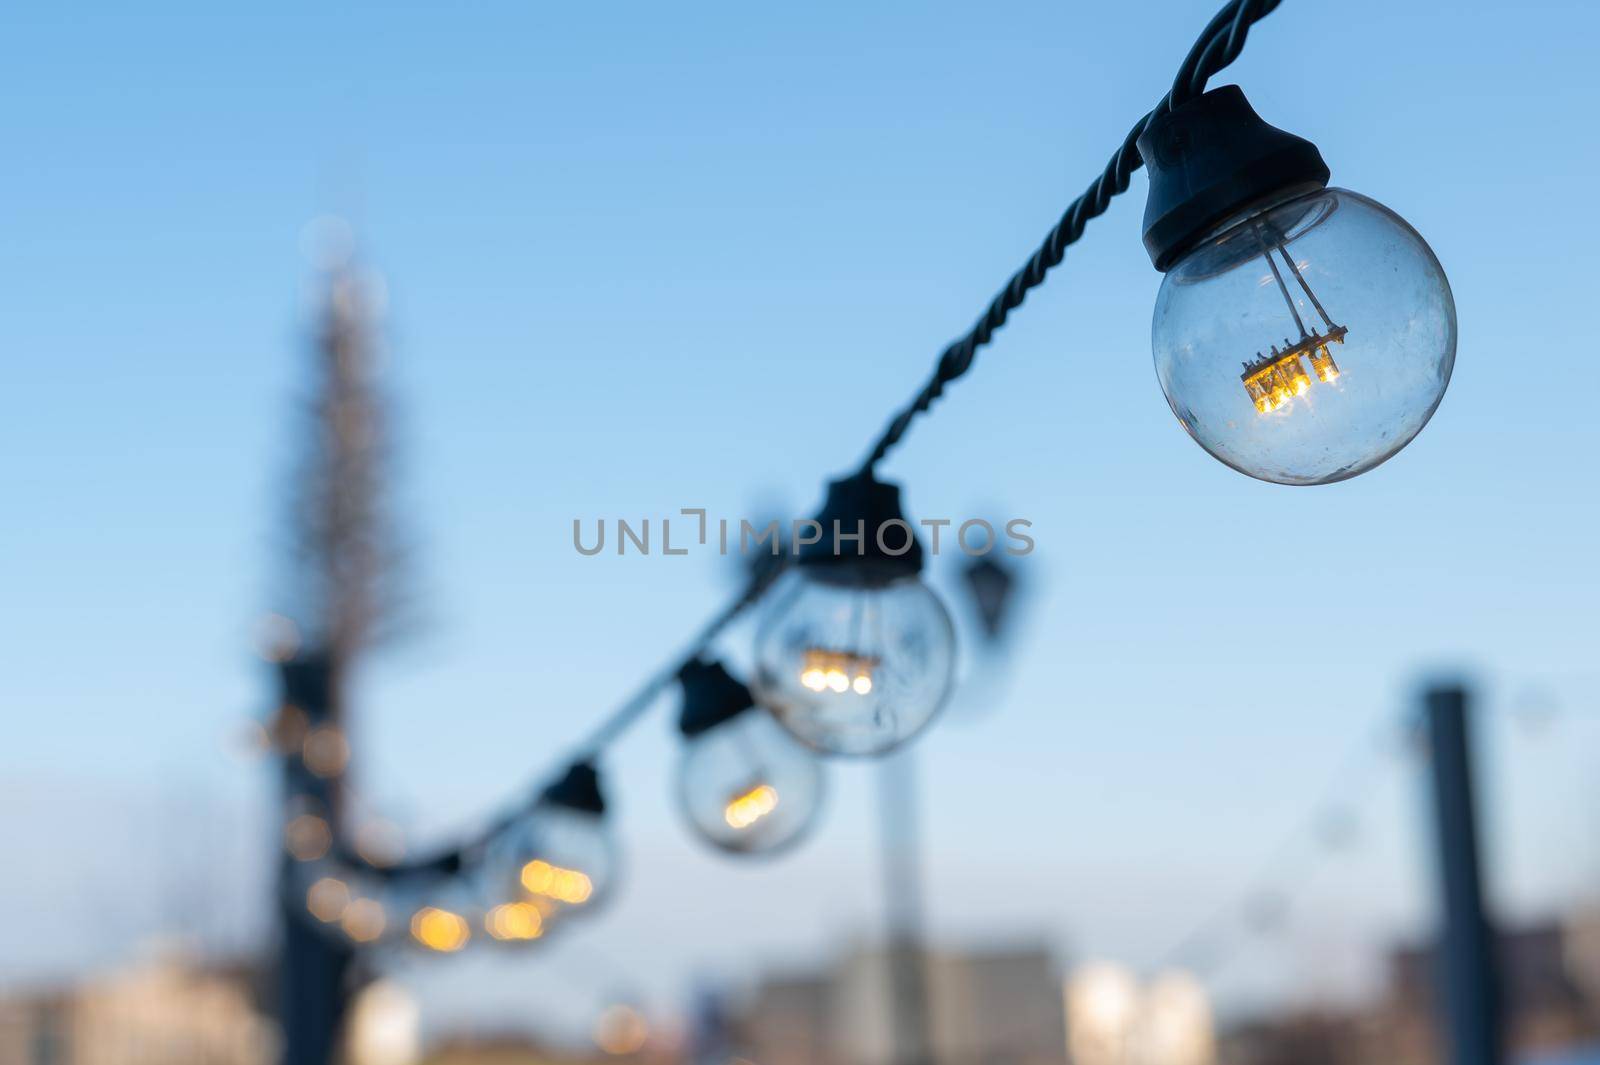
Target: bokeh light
307,837
440,929
328,898
363,920
621,1030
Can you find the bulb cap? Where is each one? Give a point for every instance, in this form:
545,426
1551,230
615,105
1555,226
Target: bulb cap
711,695
579,790
862,504
1212,158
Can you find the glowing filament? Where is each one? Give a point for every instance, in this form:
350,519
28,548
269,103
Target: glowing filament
1272,380
514,921
837,671
746,808
554,882
1323,366
440,930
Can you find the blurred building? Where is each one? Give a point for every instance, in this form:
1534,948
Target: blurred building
507,1050
1001,1006
1546,1007
169,1011
1549,991
1114,1018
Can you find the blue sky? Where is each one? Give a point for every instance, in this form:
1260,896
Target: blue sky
641,258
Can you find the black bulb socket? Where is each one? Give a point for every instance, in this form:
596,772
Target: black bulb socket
578,790
1212,159
887,549
711,696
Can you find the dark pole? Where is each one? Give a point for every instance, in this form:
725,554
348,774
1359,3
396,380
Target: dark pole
314,969
1468,985
342,584
911,1040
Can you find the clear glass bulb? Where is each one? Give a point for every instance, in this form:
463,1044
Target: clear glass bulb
854,669
1308,342
746,786
559,860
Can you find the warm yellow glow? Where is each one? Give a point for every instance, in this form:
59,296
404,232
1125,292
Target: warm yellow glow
1275,379
327,899
514,921
748,807
621,1030
554,882
837,671
1279,376
1323,365
307,838
439,929
363,920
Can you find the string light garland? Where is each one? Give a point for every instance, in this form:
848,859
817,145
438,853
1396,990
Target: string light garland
1332,827
1217,47
858,694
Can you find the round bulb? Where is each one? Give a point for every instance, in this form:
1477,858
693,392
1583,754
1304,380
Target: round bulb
853,668
1307,342
747,787
560,860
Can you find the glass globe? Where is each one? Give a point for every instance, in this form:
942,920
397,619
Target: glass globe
747,787
560,860
854,668
1308,342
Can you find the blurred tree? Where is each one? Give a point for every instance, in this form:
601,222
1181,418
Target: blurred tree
343,584
345,556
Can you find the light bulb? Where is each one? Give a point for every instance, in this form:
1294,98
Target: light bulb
559,859
854,669
744,784
855,655
1302,334
1306,343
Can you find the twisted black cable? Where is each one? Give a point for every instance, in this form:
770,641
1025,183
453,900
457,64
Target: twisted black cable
610,727
1217,47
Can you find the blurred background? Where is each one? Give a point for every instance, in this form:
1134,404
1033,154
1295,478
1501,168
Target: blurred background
608,261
